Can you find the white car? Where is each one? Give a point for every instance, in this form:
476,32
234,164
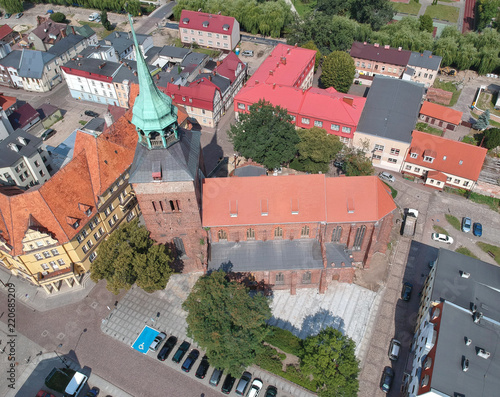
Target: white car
442,238
94,16
255,388
388,177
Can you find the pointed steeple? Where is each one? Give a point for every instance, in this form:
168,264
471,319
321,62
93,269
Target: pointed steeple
154,116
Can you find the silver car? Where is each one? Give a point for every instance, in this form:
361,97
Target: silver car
386,176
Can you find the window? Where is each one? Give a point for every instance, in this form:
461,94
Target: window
46,254
101,231
209,34
391,160
369,65
318,123
111,223
92,257
97,236
383,68
37,164
45,266
200,33
390,70
280,279
395,151
336,234
362,64
335,127
84,233
376,157
456,181
306,278
54,251
54,265
85,249
448,179
241,106
250,234
305,120
179,246
304,232
38,257
357,63
379,148
358,239
413,155
115,218
408,167
417,169
347,130
430,77
425,75
428,159
90,243
222,235
293,117
278,232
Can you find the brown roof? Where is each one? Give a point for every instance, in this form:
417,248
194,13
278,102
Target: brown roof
380,53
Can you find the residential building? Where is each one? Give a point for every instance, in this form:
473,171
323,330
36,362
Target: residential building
123,44
440,116
193,64
100,51
86,31
9,70
67,48
289,237
24,160
7,104
387,121
425,67
236,72
166,56
46,34
374,59
9,36
4,49
38,71
457,332
441,162
25,117
209,30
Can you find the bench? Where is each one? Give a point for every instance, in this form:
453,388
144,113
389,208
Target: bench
491,254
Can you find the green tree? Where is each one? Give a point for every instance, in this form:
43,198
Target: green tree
104,21
483,121
491,138
426,24
316,149
311,46
356,163
226,321
486,11
129,256
338,71
12,6
58,17
265,134
446,47
329,357
467,56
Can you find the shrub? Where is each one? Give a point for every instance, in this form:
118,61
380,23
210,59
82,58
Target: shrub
284,340
58,17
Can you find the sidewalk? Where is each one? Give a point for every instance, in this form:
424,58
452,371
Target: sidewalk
37,299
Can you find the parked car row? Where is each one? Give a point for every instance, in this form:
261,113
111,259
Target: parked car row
388,373
477,228
244,387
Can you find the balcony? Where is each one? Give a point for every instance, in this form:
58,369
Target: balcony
128,202
55,275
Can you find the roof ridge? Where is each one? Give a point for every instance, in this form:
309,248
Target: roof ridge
53,215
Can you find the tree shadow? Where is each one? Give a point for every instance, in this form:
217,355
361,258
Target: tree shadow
177,264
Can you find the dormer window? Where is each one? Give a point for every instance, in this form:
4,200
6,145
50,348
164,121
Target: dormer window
185,21
429,159
205,24
460,162
225,27
413,155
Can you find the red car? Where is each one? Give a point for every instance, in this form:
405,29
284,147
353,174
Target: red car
43,393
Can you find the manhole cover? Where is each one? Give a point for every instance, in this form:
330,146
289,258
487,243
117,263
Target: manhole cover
61,336
45,333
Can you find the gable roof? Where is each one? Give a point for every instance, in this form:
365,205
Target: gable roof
65,44
23,115
198,94
441,112
425,60
229,66
121,41
50,31
451,157
33,63
7,101
283,199
378,53
391,108
12,60
26,146
5,30
206,22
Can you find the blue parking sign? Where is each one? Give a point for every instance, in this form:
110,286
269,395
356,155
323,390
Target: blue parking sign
144,340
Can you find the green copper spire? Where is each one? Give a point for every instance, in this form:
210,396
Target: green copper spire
154,116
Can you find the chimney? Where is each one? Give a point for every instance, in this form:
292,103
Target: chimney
108,118
421,55
135,73
295,45
158,76
63,32
349,100
376,45
179,86
210,78
283,60
364,43
172,79
129,35
117,34
288,50
400,48
256,82
271,72
102,65
387,47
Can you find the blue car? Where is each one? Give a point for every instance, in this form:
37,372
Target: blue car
477,229
466,224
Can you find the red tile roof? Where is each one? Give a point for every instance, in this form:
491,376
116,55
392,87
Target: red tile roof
380,53
440,112
216,23
229,66
452,157
245,201
7,101
199,94
4,31
439,176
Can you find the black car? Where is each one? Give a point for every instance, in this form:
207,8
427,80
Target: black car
90,113
181,351
47,134
271,392
202,368
406,292
228,384
167,348
387,378
190,360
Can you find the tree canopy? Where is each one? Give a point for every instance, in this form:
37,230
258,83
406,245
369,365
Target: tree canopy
491,138
329,357
316,149
483,121
356,163
58,17
105,21
265,134
426,23
338,71
311,46
12,6
131,6
226,321
129,256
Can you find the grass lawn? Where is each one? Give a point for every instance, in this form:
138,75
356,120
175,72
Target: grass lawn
411,8
303,7
450,87
443,12
465,251
487,101
492,123
427,128
490,248
439,229
453,221
470,140
207,51
492,202
394,192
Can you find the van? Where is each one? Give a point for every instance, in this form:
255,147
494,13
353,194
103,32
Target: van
75,385
394,349
94,16
388,177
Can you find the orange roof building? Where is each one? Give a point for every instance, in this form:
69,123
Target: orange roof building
441,116
443,162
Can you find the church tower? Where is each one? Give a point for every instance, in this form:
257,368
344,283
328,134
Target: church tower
167,173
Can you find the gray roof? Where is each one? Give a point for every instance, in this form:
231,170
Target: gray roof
193,58
33,62
123,40
8,156
482,377
95,125
391,108
170,77
250,170
65,44
12,60
220,81
174,52
409,71
336,254
482,287
126,73
92,65
247,256
178,163
425,60
211,65
152,52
